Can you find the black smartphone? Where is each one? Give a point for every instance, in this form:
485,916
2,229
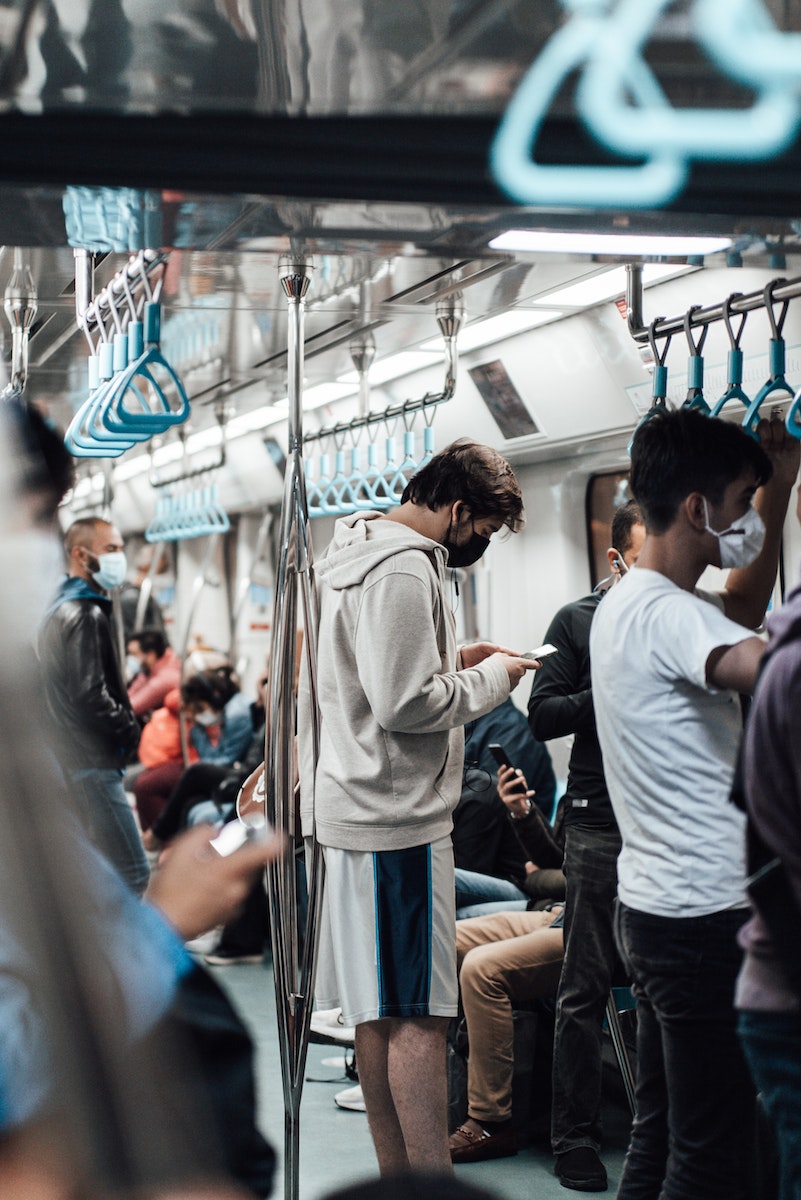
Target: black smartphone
499,754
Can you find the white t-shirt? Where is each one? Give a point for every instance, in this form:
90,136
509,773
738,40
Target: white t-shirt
669,743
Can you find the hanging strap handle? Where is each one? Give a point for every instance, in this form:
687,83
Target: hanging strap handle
776,381
734,363
659,390
695,364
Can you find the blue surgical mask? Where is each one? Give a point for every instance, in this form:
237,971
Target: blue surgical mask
111,570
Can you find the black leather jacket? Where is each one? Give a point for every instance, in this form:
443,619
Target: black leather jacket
86,697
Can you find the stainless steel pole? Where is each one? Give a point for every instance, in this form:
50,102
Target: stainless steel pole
294,960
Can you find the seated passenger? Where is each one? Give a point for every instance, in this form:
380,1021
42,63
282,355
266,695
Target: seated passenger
505,958
158,674
161,758
214,702
208,780
495,872
508,726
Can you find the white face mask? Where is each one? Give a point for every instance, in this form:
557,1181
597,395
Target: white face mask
206,716
742,542
132,666
111,570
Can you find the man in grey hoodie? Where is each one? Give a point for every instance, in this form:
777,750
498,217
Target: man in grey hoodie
394,695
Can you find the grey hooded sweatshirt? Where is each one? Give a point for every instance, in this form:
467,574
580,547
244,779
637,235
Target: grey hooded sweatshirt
393,702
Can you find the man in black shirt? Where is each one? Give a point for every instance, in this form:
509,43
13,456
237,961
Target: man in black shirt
561,704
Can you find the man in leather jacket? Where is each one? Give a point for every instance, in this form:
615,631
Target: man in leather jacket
87,701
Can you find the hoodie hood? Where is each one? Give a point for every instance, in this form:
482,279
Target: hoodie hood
362,541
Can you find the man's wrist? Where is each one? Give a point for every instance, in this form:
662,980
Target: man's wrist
522,816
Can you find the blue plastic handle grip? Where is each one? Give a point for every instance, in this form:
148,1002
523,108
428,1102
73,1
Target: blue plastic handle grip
660,380
152,323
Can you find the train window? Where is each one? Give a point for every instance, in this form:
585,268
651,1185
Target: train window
605,493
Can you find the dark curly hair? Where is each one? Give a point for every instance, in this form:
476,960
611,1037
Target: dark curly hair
477,475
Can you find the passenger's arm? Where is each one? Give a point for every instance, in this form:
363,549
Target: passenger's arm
558,704
529,824
748,589
400,664
88,687
196,889
735,668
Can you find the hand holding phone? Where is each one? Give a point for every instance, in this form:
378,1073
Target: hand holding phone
541,652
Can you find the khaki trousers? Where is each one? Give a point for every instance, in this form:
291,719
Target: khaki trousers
504,958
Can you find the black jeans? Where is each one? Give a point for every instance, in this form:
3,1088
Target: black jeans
591,872
692,1137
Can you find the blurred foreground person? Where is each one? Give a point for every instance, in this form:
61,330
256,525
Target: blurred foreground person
769,986
123,1069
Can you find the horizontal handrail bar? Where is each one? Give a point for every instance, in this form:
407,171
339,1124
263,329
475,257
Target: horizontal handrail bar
788,289
376,418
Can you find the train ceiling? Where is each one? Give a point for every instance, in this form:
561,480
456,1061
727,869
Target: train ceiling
354,130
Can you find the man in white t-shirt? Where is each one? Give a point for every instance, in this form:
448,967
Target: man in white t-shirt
667,663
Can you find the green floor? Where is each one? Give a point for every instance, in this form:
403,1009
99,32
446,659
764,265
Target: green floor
335,1144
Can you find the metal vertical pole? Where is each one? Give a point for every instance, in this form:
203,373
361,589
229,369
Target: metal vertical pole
293,961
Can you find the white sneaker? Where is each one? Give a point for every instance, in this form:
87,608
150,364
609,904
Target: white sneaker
351,1098
326,1027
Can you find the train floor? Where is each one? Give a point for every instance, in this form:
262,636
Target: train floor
335,1143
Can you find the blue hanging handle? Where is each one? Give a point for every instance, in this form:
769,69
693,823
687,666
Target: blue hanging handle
428,446
151,373
349,499
331,500
81,439
652,185
125,388
765,129
366,499
734,365
776,354
695,364
660,380
382,490
741,38
397,484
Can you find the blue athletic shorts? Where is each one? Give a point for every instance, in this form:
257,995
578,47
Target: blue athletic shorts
388,933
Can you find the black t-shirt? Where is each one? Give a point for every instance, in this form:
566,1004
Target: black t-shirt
561,704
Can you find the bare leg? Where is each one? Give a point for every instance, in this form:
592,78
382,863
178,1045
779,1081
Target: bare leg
372,1054
401,1066
419,1083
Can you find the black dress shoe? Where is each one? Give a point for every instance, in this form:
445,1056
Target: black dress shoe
581,1169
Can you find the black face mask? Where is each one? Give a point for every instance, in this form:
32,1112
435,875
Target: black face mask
469,553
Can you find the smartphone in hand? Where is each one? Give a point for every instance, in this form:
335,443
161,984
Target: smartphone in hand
541,652
499,754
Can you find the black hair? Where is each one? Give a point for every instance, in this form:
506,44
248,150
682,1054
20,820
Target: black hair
150,639
423,1185
214,688
477,475
624,520
679,452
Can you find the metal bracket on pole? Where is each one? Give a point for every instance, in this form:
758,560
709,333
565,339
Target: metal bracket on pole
294,962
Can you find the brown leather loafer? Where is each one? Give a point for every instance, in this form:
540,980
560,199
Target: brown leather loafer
471,1143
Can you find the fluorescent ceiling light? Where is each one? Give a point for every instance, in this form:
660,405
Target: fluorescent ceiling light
131,467
587,292
167,454
505,325
249,422
204,439
326,393
405,363
555,242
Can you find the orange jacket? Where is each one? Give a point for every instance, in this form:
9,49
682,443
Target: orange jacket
161,737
